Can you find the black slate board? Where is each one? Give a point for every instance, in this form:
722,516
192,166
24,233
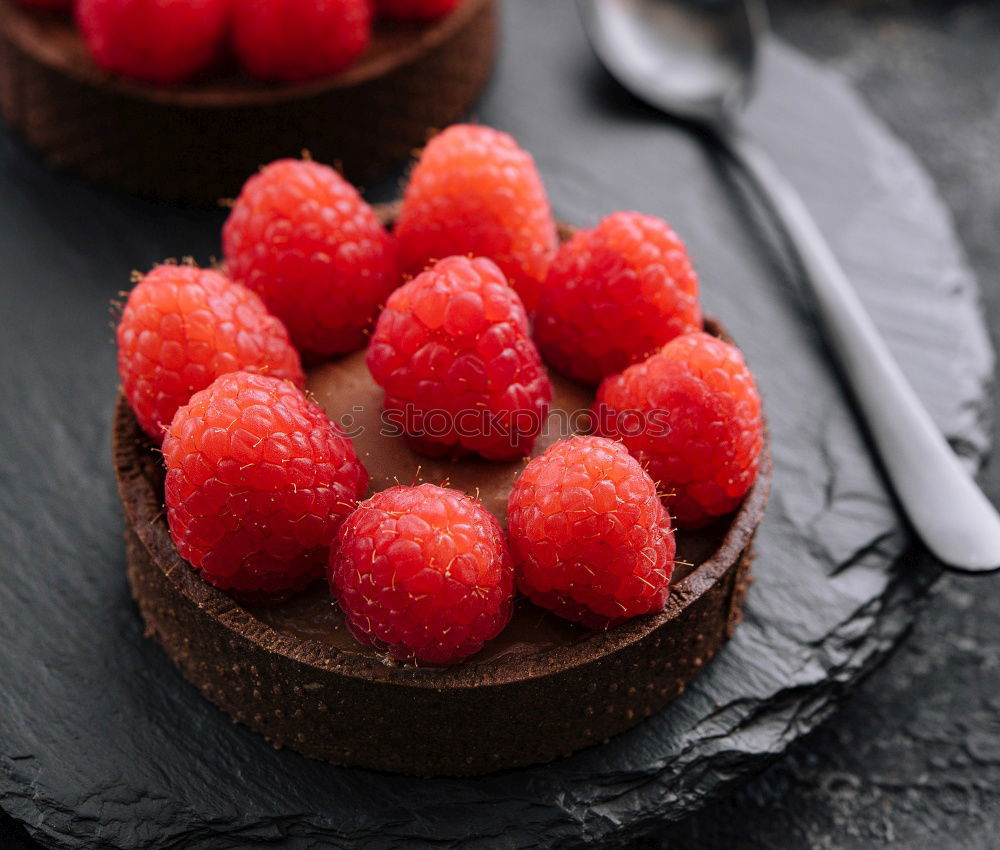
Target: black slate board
102,742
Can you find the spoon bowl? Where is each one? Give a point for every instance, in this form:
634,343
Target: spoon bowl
694,59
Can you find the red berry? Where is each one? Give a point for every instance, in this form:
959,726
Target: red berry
302,237
415,10
474,191
298,40
460,373
181,328
423,572
615,295
691,415
589,535
152,40
258,483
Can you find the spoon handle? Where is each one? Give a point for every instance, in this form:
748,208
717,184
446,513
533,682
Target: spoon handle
948,510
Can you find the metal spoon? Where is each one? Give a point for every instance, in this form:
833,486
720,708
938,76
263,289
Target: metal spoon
695,60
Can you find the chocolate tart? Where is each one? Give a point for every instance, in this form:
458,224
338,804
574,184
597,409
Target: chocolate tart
197,143
543,688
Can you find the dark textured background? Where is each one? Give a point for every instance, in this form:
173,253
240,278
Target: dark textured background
913,758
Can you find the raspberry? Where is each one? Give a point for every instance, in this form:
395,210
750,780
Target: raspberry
296,40
691,415
589,536
423,572
615,295
258,483
460,372
474,191
415,10
152,40
302,237
181,328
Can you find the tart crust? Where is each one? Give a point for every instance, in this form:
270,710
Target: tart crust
197,143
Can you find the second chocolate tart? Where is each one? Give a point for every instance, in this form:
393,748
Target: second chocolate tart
197,142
